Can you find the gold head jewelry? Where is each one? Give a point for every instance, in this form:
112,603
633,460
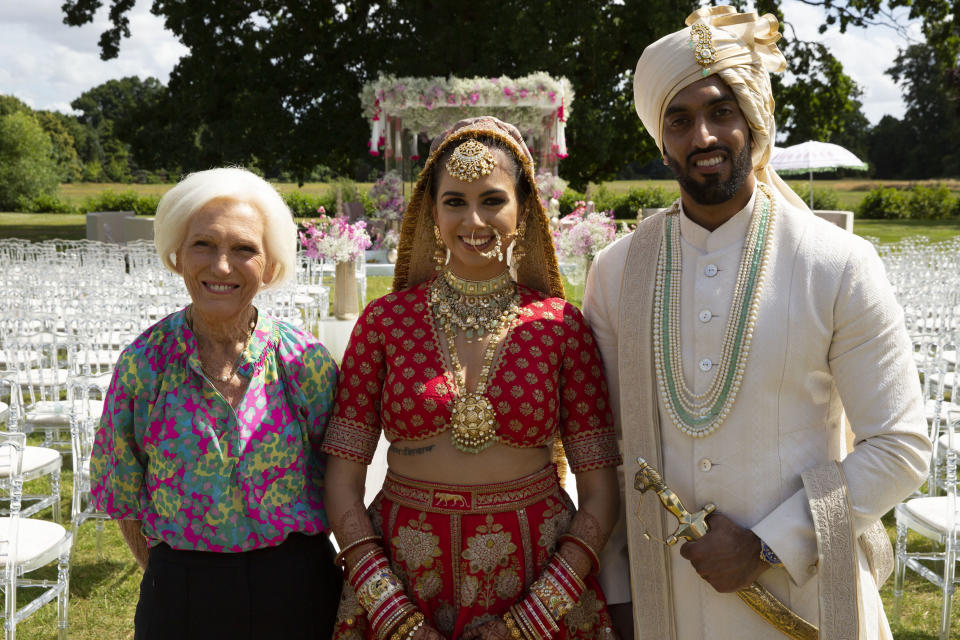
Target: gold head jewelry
701,40
470,161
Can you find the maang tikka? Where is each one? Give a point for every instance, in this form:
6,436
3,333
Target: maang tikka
471,161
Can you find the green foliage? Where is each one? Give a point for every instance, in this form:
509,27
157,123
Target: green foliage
27,168
884,203
642,198
823,199
44,203
917,202
305,205
142,205
823,103
931,203
567,200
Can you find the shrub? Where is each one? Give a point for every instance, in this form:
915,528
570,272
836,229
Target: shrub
304,205
142,205
931,202
823,199
27,166
884,203
569,199
44,203
641,198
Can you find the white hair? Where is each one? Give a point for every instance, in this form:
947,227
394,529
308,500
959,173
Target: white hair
191,194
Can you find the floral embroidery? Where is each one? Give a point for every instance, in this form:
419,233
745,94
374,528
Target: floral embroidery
490,548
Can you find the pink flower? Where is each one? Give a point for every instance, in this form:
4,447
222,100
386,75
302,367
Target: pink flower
321,209
523,93
474,97
507,91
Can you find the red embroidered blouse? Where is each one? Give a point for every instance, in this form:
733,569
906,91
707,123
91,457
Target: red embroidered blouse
546,380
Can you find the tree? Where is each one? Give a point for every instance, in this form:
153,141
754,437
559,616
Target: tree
125,118
27,168
931,115
823,104
278,83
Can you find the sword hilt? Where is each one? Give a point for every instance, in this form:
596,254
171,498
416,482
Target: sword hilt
691,526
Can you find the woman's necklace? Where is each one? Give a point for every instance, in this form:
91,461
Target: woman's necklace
236,365
474,422
475,307
700,415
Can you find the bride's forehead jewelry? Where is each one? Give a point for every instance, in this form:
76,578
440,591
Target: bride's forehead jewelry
470,161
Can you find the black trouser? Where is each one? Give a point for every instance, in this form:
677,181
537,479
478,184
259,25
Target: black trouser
290,591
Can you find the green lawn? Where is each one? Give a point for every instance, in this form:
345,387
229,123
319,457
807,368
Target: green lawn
104,589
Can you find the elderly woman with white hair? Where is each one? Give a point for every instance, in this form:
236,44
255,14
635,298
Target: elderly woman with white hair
208,451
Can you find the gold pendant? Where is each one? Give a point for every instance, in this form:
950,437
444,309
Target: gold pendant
473,423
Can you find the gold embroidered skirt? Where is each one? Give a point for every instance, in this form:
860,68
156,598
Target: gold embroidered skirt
465,553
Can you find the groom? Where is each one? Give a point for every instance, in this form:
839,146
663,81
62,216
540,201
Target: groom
736,330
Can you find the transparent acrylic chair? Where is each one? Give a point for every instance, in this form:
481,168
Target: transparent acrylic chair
934,518
83,429
36,463
26,545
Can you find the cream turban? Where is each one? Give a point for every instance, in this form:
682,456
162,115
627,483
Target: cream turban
739,47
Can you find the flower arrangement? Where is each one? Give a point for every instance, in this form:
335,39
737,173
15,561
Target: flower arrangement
387,196
549,186
334,239
581,235
389,240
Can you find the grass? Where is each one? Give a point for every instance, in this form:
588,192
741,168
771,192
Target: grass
104,588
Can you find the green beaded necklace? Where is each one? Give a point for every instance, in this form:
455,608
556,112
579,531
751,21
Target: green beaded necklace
700,415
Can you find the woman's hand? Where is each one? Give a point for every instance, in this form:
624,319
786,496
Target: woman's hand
426,632
493,630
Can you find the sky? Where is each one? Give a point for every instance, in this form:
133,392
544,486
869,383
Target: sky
47,64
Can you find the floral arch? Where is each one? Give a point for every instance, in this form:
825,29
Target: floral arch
402,109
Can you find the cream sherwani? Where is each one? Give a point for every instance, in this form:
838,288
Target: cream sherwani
829,337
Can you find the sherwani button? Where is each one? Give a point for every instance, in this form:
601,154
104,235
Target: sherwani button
812,569
705,315
705,465
710,270
705,364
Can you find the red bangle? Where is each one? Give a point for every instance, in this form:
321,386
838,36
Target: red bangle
586,548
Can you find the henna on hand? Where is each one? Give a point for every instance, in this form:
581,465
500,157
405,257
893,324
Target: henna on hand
426,632
354,524
588,529
492,630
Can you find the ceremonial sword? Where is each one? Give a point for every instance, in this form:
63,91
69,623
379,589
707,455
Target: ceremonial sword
693,526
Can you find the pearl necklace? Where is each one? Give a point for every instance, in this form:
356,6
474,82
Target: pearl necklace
236,365
693,414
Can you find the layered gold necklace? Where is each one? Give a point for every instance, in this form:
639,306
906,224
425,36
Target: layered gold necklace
478,308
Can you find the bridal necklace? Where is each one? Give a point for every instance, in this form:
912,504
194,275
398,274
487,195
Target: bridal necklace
236,365
693,414
477,308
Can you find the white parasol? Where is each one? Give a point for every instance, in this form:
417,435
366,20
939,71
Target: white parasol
811,156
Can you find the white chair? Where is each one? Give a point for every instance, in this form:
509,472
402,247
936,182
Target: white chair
36,463
83,429
936,519
26,545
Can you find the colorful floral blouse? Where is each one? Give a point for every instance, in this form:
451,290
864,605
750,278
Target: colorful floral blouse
546,380
173,453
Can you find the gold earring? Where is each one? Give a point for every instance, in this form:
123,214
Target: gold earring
515,252
441,255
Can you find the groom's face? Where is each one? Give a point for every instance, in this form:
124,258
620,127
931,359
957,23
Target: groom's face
706,141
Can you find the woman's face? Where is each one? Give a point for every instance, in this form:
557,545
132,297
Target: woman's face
222,258
467,213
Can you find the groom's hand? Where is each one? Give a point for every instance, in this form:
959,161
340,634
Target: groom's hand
728,557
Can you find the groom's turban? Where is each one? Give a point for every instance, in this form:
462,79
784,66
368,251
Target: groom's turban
740,48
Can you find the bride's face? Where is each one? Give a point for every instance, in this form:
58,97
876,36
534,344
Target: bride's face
469,216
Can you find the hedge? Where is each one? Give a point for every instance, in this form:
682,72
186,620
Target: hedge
917,202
